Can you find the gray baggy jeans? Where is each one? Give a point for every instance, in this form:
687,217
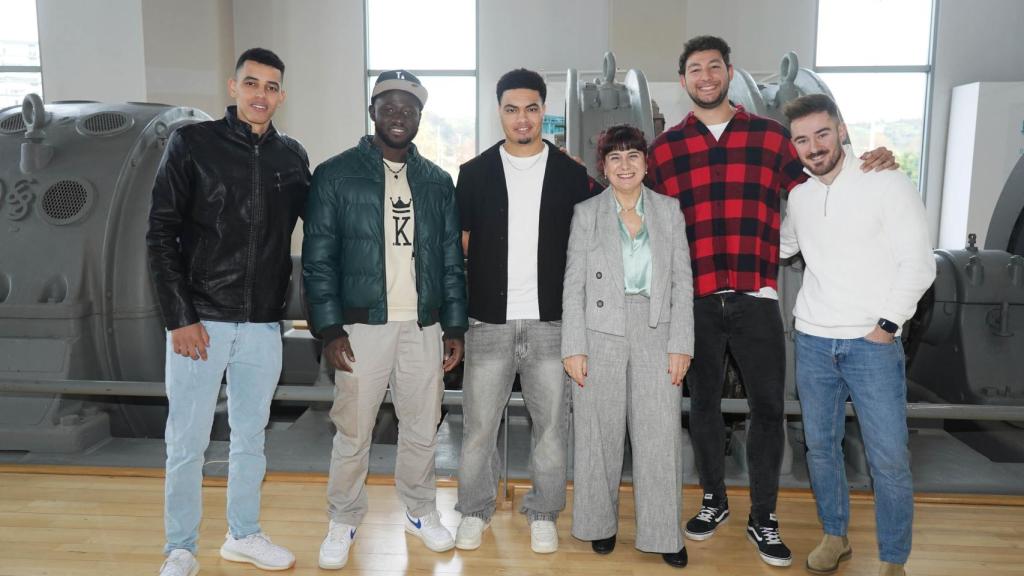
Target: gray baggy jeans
495,353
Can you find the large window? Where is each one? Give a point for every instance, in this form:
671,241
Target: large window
875,56
436,41
20,73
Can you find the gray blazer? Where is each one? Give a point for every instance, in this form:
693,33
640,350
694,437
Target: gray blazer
594,294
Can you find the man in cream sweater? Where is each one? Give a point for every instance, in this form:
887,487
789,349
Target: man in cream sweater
864,240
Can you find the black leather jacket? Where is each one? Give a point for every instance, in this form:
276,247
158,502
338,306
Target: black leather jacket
225,202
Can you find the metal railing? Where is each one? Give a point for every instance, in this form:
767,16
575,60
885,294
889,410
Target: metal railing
915,410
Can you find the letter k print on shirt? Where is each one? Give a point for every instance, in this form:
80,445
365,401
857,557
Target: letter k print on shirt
401,215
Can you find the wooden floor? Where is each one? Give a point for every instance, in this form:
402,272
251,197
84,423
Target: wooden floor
79,524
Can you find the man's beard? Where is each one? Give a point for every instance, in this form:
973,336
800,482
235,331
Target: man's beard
834,158
714,103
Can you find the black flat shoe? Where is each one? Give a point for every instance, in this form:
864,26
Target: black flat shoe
676,559
604,545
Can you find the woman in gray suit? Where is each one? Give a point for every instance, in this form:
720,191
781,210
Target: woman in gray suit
627,340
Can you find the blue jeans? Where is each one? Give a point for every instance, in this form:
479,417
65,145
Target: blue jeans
251,355
827,372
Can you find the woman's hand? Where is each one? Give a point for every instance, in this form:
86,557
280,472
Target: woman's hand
576,368
678,364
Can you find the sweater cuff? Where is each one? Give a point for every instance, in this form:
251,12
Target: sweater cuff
332,332
454,333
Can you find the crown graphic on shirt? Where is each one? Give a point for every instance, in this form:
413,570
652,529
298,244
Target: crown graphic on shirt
397,205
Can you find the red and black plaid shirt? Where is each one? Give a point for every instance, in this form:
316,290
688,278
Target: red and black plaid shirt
729,190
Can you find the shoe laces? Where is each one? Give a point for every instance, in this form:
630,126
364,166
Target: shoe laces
179,561
432,520
337,532
545,530
259,541
707,513
771,535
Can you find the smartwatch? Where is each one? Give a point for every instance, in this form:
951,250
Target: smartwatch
890,327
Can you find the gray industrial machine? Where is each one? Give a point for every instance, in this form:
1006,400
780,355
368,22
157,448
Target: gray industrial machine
769,98
970,334
75,294
594,106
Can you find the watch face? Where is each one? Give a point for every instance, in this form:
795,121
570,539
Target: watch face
890,327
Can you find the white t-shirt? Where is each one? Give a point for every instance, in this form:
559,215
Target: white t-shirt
399,265
524,178
717,129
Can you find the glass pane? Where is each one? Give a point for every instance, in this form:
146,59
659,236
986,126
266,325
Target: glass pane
418,35
15,85
873,32
883,110
447,135
19,35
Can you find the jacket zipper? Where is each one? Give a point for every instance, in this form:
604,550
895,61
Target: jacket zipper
827,190
256,214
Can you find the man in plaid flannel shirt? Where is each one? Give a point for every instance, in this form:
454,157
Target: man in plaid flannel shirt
728,168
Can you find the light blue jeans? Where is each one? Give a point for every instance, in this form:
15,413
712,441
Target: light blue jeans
251,355
827,372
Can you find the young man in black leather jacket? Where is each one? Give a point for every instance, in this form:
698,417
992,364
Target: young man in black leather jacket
226,199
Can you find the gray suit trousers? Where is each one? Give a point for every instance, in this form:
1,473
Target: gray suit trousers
628,387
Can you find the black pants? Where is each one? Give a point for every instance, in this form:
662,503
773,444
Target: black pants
751,328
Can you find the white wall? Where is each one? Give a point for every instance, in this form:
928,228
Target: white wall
321,43
189,52
973,45
92,50
759,32
537,34
648,36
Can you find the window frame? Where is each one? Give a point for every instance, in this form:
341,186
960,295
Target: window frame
424,73
927,69
31,69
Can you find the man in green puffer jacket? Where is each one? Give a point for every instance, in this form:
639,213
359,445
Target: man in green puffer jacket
383,273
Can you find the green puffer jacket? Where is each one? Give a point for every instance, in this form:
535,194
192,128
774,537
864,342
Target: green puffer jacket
343,248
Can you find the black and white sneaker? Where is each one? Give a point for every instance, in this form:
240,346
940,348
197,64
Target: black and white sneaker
713,513
766,537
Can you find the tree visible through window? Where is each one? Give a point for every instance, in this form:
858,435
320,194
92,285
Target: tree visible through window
20,72
875,56
436,41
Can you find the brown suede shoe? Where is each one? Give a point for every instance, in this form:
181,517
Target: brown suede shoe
825,558
887,569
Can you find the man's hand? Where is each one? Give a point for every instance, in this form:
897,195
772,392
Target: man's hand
191,341
576,368
678,364
339,354
879,159
453,349
879,336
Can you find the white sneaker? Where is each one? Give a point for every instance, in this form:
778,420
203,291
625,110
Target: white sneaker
543,536
335,547
180,562
258,550
470,531
429,528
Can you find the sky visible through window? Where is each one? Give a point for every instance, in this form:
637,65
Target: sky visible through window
881,108
19,46
438,37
